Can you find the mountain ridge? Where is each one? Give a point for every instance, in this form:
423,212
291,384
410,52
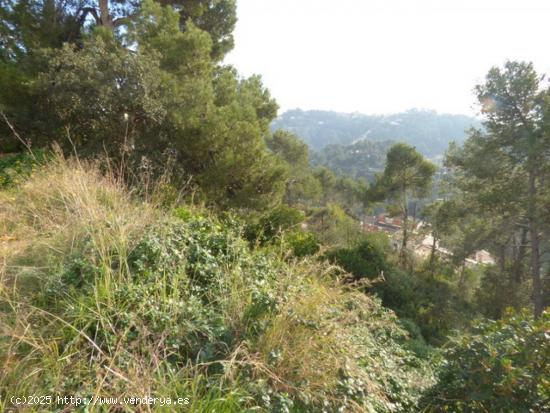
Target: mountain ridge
429,131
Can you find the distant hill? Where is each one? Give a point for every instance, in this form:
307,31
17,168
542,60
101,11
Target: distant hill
429,131
363,159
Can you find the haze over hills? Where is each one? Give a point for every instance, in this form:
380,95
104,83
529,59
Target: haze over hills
430,132
362,159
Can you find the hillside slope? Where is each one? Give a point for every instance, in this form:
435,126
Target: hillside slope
363,159
429,131
104,295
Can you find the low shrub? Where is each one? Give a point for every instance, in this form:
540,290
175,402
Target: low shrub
365,260
125,299
303,243
15,168
268,226
433,303
501,366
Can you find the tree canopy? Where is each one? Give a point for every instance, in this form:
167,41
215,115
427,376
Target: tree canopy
407,176
154,89
502,171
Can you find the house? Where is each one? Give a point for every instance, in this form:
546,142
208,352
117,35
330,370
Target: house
381,222
424,249
481,257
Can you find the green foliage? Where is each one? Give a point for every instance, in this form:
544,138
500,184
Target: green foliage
16,168
273,223
334,226
407,177
164,98
102,96
417,343
183,305
501,171
501,366
302,243
430,307
363,159
29,26
216,17
499,291
183,213
105,294
302,187
290,148
406,174
327,179
364,260
340,189
434,304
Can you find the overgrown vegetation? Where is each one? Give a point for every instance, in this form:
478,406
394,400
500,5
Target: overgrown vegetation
107,296
157,238
500,366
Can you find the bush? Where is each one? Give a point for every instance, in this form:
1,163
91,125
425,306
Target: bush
365,260
499,290
434,304
15,168
273,222
502,366
114,297
303,243
334,226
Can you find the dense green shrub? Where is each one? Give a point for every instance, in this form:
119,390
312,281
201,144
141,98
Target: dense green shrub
502,366
500,290
15,168
167,97
365,260
303,243
334,226
271,224
433,303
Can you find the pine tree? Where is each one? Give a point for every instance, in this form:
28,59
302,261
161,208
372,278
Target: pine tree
504,168
407,176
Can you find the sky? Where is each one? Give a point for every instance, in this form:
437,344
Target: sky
385,56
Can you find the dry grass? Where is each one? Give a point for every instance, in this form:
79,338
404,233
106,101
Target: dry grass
67,206
65,203
318,334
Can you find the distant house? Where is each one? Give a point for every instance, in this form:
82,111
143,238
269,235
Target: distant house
481,257
424,249
381,222
392,226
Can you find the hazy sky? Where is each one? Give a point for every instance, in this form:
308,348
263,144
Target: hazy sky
384,56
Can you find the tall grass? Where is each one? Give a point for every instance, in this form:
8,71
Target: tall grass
102,293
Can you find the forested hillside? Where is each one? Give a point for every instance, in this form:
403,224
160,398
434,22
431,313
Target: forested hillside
163,249
428,131
362,159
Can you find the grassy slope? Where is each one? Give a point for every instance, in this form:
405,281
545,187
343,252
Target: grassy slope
105,295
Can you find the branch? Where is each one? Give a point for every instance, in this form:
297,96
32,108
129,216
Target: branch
121,21
85,11
19,138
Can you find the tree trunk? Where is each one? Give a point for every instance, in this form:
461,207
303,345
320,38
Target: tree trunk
432,254
502,259
405,234
461,280
520,256
414,215
535,247
104,14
